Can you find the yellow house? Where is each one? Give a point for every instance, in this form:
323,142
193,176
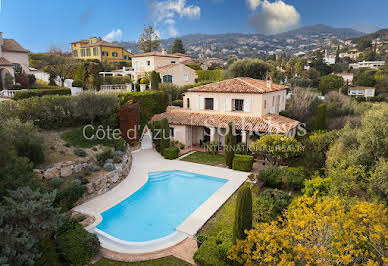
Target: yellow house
96,48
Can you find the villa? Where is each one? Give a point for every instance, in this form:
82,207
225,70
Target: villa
11,54
362,91
97,48
252,105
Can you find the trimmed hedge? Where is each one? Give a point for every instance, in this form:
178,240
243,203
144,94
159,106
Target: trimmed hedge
24,94
212,75
242,162
171,153
281,178
177,103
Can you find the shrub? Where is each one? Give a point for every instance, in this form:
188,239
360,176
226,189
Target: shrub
109,167
171,153
212,148
80,152
207,254
116,159
242,163
56,182
318,185
144,81
242,148
118,153
94,168
23,94
76,182
155,80
243,214
120,145
230,143
68,196
103,156
210,75
269,205
281,178
178,103
77,246
77,83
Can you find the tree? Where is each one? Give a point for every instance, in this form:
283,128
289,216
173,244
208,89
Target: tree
61,67
321,118
364,44
26,217
253,68
80,73
243,214
230,144
319,231
365,78
277,148
155,80
177,47
165,135
379,181
149,40
330,82
9,81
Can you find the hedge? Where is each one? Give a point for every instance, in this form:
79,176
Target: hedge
171,153
242,163
212,75
281,178
23,94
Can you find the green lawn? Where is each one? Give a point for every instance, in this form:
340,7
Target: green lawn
76,138
158,262
205,158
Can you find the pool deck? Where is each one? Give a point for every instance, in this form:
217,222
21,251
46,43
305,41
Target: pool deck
144,162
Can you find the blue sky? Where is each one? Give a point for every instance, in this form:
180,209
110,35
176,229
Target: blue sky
39,24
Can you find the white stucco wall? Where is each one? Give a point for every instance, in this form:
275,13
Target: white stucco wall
178,75
18,58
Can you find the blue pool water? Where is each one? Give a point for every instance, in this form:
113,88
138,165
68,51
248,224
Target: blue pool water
156,209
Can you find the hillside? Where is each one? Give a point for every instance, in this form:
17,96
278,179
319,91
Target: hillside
254,45
382,34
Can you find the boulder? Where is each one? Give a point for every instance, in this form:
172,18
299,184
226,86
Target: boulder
51,172
78,168
90,188
67,171
115,178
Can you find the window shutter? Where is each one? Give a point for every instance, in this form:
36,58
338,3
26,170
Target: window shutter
228,105
201,103
215,104
247,105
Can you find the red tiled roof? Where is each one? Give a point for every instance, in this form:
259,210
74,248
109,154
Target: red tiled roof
155,54
11,45
5,62
268,123
181,55
103,43
239,85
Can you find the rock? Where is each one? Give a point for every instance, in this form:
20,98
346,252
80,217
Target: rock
38,173
99,183
103,189
118,153
50,173
90,188
115,178
78,168
67,171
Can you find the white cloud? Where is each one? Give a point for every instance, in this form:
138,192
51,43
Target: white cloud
274,18
166,11
114,35
253,4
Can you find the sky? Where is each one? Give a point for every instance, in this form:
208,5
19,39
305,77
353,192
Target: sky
40,24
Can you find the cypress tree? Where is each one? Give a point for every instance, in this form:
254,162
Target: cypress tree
321,118
165,135
230,144
243,214
155,80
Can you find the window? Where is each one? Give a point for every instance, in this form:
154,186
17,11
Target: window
171,132
167,78
186,78
137,66
104,53
173,62
75,53
95,51
273,101
88,52
82,52
148,62
126,57
188,102
370,92
238,105
115,54
209,103
265,103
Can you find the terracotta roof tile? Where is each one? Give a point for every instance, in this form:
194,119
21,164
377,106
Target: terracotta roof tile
268,123
11,45
181,55
239,85
5,62
155,54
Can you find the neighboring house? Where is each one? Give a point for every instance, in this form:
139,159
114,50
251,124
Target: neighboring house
362,91
367,64
96,48
252,105
348,77
11,54
167,65
183,57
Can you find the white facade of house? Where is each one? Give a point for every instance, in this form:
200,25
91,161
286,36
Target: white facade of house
367,64
366,92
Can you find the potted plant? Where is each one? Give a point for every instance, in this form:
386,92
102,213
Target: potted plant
252,177
201,239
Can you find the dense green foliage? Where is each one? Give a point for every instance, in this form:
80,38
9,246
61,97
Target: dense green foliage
155,80
67,197
23,94
171,153
210,75
269,204
243,215
230,144
281,178
242,162
253,68
330,82
26,217
160,134
177,47
321,118
75,137
317,185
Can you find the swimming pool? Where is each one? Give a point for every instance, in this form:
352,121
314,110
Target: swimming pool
156,210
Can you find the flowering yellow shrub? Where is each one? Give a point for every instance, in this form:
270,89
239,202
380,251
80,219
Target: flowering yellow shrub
319,231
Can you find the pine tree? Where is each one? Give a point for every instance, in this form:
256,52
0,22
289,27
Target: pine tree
230,144
243,214
321,118
178,47
149,40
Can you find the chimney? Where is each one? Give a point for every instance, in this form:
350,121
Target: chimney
164,51
1,44
269,83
